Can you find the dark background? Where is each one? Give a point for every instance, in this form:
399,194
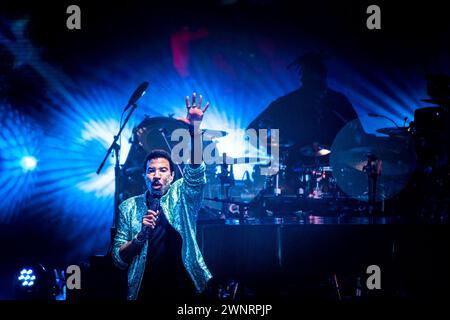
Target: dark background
60,228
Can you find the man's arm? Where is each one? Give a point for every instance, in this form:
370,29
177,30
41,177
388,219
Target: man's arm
196,146
125,248
192,187
128,250
193,119
122,237
194,174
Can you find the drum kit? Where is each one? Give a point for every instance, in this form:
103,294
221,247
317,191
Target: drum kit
362,167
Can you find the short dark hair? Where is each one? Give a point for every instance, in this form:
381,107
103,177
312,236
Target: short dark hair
158,153
311,62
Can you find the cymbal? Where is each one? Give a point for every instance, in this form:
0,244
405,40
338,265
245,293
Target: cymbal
401,132
150,132
282,144
439,101
251,160
244,160
315,150
210,134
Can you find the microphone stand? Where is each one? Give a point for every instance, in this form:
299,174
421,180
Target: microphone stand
115,146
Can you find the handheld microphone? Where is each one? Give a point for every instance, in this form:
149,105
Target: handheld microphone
152,201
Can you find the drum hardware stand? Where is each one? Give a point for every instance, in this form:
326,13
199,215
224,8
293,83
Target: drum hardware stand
277,190
138,93
373,170
226,178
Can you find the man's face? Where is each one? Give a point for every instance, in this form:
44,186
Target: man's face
158,175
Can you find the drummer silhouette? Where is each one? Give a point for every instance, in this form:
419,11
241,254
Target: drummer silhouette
308,119
311,115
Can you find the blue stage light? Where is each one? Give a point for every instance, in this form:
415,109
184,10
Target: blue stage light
28,163
27,277
20,139
36,282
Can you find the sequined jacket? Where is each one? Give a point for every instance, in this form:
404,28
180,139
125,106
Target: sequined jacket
180,204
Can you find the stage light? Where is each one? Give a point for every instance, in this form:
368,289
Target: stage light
27,277
20,142
36,282
28,163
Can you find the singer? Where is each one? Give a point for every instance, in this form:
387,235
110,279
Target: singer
156,232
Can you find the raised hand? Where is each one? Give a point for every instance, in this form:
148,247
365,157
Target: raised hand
194,111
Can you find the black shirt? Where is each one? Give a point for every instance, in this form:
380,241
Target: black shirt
165,276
